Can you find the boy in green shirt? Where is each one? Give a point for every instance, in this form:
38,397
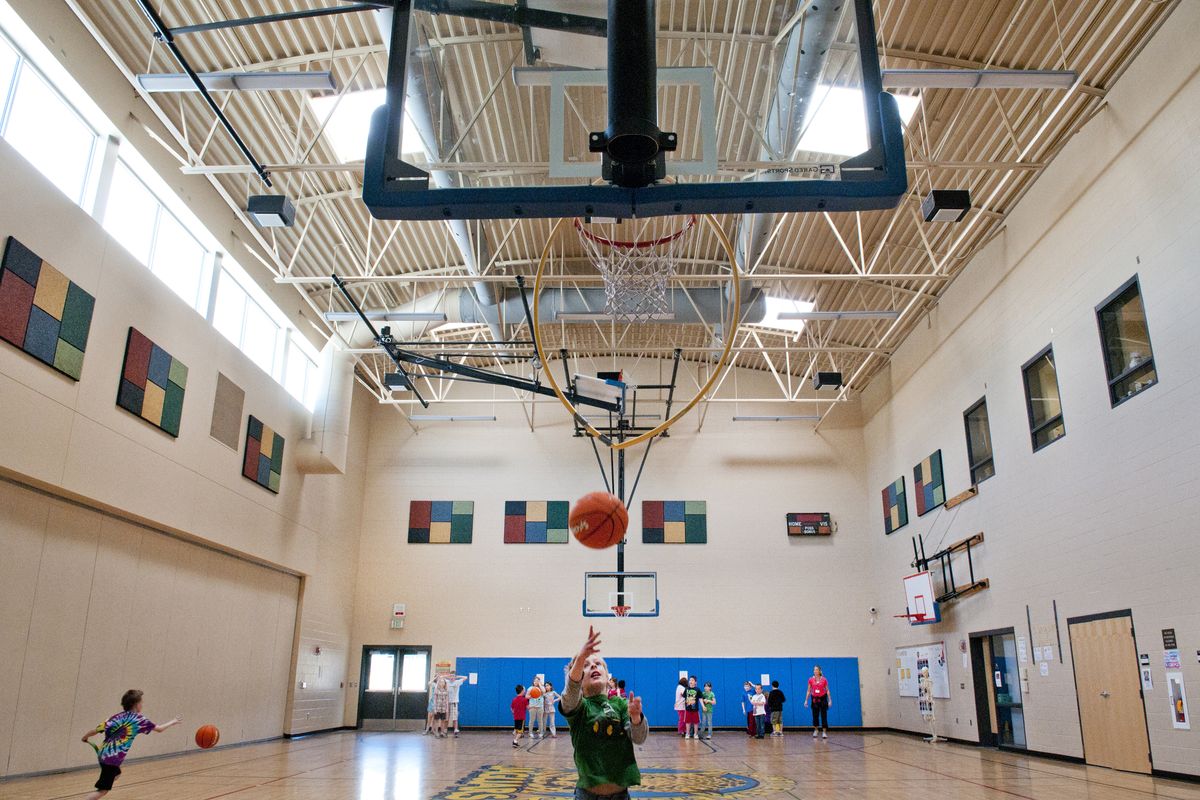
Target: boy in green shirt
603,729
708,701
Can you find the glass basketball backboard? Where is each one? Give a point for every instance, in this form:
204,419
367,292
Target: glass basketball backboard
778,107
603,592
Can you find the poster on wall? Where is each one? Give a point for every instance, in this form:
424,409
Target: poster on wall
1178,697
909,662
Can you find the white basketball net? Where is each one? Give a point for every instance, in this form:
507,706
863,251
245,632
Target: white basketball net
636,273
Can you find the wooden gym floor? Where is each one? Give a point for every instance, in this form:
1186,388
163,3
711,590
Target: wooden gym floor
405,766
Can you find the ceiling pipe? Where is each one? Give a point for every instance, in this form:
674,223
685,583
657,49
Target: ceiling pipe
803,60
706,306
424,97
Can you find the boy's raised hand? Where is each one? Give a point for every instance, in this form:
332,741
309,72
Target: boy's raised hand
590,647
635,709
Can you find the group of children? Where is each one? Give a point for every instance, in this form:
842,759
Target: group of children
695,708
441,713
604,723
758,706
537,703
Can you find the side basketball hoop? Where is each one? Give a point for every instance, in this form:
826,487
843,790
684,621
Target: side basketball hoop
621,611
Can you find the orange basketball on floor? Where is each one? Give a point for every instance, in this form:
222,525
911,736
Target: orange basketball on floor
535,693
207,736
599,520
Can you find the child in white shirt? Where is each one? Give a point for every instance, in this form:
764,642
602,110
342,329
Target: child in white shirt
759,701
549,700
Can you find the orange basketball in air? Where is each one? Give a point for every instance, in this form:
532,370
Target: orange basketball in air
207,736
599,520
535,693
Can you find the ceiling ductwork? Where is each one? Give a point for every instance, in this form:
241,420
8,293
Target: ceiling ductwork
802,62
428,108
706,306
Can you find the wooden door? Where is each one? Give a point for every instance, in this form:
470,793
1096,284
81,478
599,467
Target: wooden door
1111,709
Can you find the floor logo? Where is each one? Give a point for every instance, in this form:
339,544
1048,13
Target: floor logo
503,782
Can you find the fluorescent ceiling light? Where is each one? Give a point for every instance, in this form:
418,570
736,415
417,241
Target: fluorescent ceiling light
839,125
979,79
315,81
818,315
778,307
450,327
566,316
784,418
387,316
448,418
347,129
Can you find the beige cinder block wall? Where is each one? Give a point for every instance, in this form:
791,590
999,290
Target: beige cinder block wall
1105,518
749,591
60,559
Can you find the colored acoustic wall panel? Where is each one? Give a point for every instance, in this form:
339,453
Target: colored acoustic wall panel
264,455
441,521
42,311
536,521
152,383
674,522
928,484
895,507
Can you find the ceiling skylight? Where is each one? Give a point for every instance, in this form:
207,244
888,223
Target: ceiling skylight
777,305
347,129
840,125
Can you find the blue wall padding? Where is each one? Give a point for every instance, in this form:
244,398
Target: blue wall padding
487,702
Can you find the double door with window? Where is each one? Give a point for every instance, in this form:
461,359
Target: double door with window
394,686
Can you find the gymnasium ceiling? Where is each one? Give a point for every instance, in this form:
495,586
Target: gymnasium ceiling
993,142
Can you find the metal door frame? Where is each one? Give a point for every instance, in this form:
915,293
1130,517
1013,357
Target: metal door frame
397,675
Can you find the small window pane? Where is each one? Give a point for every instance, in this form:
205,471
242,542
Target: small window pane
312,386
1128,359
1041,395
259,335
130,213
230,309
979,442
48,132
413,672
381,672
296,374
178,258
8,65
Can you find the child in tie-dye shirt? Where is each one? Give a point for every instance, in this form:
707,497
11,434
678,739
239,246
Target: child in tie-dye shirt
119,732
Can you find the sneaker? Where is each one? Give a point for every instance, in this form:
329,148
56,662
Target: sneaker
758,737
709,736
456,734
516,744
815,731
824,735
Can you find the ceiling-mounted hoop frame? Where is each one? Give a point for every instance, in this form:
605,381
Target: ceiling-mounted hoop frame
718,371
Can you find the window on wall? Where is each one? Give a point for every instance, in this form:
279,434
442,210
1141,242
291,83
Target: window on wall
1128,359
43,127
979,442
244,322
1042,399
149,231
47,117
300,372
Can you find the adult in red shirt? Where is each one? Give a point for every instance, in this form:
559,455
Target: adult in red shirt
818,693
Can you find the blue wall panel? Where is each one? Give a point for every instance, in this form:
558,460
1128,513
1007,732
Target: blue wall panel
486,703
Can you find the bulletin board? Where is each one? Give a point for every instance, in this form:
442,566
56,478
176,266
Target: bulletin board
909,661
